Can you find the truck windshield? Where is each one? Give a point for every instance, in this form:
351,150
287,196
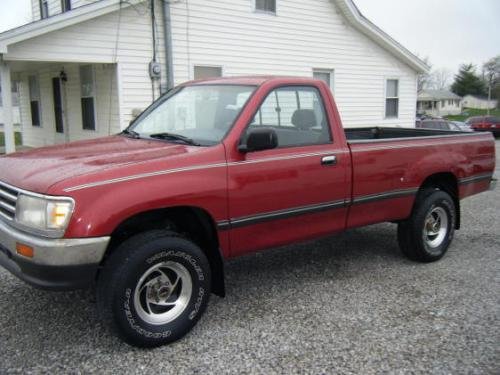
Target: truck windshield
198,115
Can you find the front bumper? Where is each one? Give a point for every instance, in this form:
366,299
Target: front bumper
59,264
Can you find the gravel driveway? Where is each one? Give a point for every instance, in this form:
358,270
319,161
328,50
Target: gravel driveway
345,304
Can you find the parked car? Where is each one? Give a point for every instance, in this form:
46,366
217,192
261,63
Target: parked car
485,123
216,169
438,124
462,126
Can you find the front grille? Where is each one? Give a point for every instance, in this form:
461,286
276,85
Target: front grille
8,200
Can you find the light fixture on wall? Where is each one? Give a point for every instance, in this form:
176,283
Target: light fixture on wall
63,76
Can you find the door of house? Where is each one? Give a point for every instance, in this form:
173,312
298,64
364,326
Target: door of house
58,107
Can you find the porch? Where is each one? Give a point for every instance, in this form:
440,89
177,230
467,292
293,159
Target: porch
60,102
81,74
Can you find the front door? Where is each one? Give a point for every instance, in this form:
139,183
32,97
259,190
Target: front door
58,105
297,191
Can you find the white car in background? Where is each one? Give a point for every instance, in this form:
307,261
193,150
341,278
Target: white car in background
463,126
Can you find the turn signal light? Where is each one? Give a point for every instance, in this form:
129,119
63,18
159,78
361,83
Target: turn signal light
25,250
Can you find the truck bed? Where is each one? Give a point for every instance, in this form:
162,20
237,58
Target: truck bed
359,135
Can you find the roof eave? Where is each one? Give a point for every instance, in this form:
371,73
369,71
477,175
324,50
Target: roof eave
58,21
364,25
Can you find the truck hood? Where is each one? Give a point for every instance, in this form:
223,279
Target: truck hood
37,170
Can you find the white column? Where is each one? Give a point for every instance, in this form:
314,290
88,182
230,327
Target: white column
8,126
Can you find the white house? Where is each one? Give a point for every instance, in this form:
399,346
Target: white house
83,66
476,102
439,103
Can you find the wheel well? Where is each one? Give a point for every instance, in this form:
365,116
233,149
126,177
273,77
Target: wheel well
447,182
191,222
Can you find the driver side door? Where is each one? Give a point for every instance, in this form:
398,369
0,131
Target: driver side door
296,191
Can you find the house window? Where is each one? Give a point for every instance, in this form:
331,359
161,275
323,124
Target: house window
201,72
325,76
87,91
65,5
44,8
34,91
392,98
266,5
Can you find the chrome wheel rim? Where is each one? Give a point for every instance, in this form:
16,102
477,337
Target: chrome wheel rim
435,227
163,293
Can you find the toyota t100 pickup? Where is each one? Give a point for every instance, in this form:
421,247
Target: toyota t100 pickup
216,169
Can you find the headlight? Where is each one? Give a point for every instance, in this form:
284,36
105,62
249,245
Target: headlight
45,216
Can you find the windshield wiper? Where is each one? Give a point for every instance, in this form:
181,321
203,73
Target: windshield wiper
131,133
175,137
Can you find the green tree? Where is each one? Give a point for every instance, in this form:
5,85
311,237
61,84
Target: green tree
468,82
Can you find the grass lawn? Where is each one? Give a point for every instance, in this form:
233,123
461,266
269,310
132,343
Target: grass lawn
473,112
19,140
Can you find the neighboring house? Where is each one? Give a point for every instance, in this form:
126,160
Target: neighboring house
438,103
84,67
476,102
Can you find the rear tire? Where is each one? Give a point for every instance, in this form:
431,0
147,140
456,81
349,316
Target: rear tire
426,235
153,288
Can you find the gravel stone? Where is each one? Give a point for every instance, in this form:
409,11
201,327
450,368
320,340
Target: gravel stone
345,304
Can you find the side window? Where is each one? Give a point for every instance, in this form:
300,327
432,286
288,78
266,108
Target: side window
34,94
325,76
392,98
44,9
297,114
87,90
265,6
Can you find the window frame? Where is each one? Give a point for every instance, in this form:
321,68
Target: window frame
44,9
94,96
207,66
38,100
386,97
264,11
271,91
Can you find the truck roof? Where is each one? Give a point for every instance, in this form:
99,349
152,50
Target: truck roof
256,80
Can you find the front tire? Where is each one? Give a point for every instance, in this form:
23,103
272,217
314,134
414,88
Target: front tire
154,288
427,234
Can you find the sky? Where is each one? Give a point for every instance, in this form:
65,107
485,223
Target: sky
448,32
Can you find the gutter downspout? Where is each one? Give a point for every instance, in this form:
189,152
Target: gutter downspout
167,39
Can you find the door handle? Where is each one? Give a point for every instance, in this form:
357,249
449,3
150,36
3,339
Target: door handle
329,160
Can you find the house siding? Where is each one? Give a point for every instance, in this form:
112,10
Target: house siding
55,7
302,36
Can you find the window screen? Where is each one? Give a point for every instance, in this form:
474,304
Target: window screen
87,91
34,91
266,5
325,76
392,98
202,72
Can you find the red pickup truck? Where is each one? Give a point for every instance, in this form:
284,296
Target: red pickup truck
216,169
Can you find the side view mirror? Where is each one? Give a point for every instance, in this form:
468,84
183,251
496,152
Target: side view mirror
258,140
